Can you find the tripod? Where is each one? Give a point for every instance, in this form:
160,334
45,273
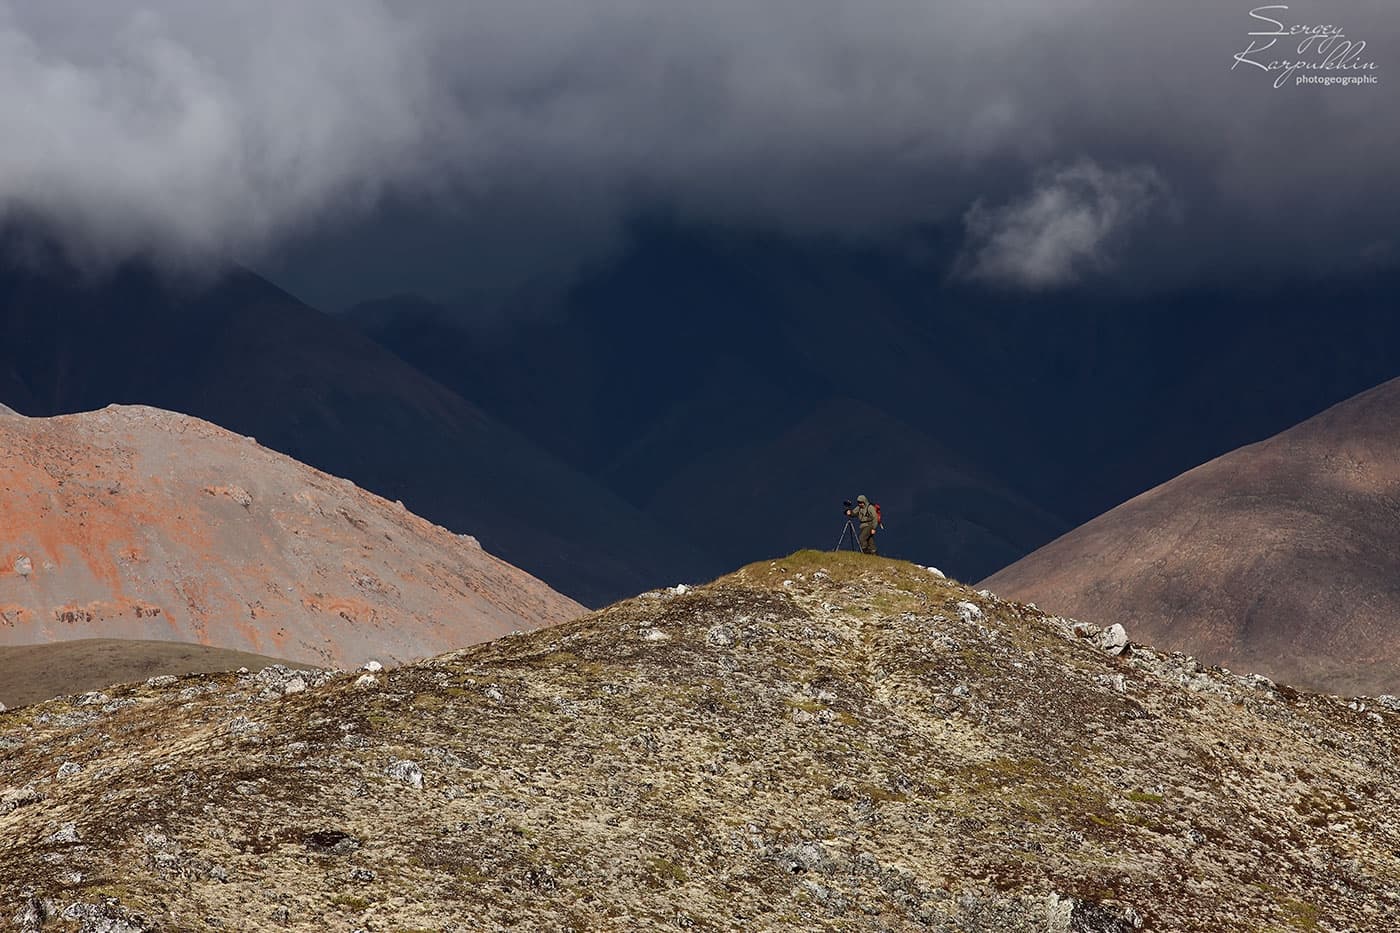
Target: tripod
855,536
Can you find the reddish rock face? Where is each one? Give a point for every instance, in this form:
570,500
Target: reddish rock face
1281,558
133,522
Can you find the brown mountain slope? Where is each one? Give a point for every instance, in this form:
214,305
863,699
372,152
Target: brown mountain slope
132,522
31,673
1282,557
825,742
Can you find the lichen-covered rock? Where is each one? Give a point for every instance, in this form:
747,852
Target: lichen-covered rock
406,771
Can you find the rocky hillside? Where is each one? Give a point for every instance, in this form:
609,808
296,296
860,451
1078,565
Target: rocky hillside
1282,557
137,523
822,742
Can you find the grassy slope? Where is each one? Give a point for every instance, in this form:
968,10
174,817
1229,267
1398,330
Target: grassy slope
31,673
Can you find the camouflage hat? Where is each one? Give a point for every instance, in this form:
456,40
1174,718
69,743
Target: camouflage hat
862,500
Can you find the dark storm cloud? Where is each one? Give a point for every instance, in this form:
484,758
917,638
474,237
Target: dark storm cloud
1053,132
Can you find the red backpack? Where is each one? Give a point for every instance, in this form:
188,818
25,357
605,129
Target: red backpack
879,522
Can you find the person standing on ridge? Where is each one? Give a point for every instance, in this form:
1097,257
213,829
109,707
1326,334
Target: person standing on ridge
869,520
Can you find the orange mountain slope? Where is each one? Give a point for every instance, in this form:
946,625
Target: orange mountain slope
133,522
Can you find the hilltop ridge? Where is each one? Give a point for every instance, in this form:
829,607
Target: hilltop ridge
826,741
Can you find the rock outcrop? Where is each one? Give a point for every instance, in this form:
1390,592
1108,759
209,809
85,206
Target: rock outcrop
1282,557
136,523
821,742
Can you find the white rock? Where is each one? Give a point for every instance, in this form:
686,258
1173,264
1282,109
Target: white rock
67,833
970,612
493,692
1113,639
655,634
68,769
680,589
408,772
162,680
293,685
374,667
937,573
24,566
367,680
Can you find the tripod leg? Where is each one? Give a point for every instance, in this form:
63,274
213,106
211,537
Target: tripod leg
855,541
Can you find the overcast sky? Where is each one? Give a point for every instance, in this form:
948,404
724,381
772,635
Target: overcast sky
1065,142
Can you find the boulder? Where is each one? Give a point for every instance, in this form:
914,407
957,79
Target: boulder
1113,639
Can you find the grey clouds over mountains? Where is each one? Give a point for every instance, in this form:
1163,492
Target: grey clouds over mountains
1059,141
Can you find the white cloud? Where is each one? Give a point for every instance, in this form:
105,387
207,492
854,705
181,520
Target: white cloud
1067,227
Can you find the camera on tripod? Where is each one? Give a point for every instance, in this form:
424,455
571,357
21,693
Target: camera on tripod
848,504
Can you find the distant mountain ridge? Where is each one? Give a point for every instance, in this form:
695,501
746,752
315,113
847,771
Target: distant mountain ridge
704,375
1282,557
236,351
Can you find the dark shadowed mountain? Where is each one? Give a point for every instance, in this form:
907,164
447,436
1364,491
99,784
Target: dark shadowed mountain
1282,557
737,387
241,353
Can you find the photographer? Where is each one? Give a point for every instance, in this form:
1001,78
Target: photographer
864,513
